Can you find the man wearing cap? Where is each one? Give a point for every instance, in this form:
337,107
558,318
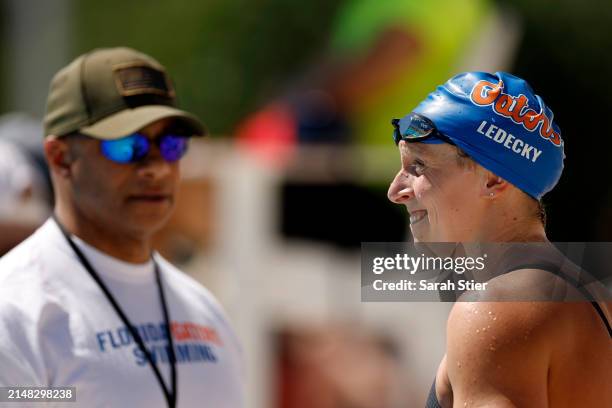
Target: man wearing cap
477,156
85,302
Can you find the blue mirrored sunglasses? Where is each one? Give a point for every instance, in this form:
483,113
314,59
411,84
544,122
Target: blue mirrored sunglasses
135,147
416,128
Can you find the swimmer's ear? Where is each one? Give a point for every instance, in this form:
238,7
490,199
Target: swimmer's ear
492,185
58,155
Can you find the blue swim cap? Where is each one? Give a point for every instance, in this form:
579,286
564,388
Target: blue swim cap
502,125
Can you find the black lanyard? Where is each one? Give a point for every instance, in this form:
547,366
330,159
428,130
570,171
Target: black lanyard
171,393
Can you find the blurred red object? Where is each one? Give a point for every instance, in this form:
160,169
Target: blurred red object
269,134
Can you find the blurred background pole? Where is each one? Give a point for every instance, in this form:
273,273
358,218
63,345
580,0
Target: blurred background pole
38,41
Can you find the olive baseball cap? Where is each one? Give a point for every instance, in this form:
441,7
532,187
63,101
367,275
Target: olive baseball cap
111,93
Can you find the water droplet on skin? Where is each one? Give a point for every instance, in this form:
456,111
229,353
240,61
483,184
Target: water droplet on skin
494,318
490,313
484,329
459,364
477,331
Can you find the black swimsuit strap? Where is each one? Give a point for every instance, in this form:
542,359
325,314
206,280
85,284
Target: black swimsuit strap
432,398
556,270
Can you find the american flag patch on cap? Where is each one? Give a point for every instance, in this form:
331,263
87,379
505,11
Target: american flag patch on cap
139,78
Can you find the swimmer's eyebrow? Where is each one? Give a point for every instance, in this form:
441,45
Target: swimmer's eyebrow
417,149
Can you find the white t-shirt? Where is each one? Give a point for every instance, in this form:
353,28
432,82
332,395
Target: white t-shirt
57,328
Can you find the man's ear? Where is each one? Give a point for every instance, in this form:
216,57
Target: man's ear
492,185
58,155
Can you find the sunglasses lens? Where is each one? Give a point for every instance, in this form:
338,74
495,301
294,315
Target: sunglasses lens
173,147
128,149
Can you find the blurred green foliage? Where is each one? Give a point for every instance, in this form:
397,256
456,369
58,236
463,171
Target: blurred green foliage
566,38
3,66
226,57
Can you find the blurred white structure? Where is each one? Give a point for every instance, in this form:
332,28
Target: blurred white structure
24,189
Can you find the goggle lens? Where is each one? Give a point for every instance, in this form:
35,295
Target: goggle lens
412,127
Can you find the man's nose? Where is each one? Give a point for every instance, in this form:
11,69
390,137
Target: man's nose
154,166
401,190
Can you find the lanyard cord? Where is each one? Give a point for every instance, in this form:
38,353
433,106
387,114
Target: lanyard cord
170,394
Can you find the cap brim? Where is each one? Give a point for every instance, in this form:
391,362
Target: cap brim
128,121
